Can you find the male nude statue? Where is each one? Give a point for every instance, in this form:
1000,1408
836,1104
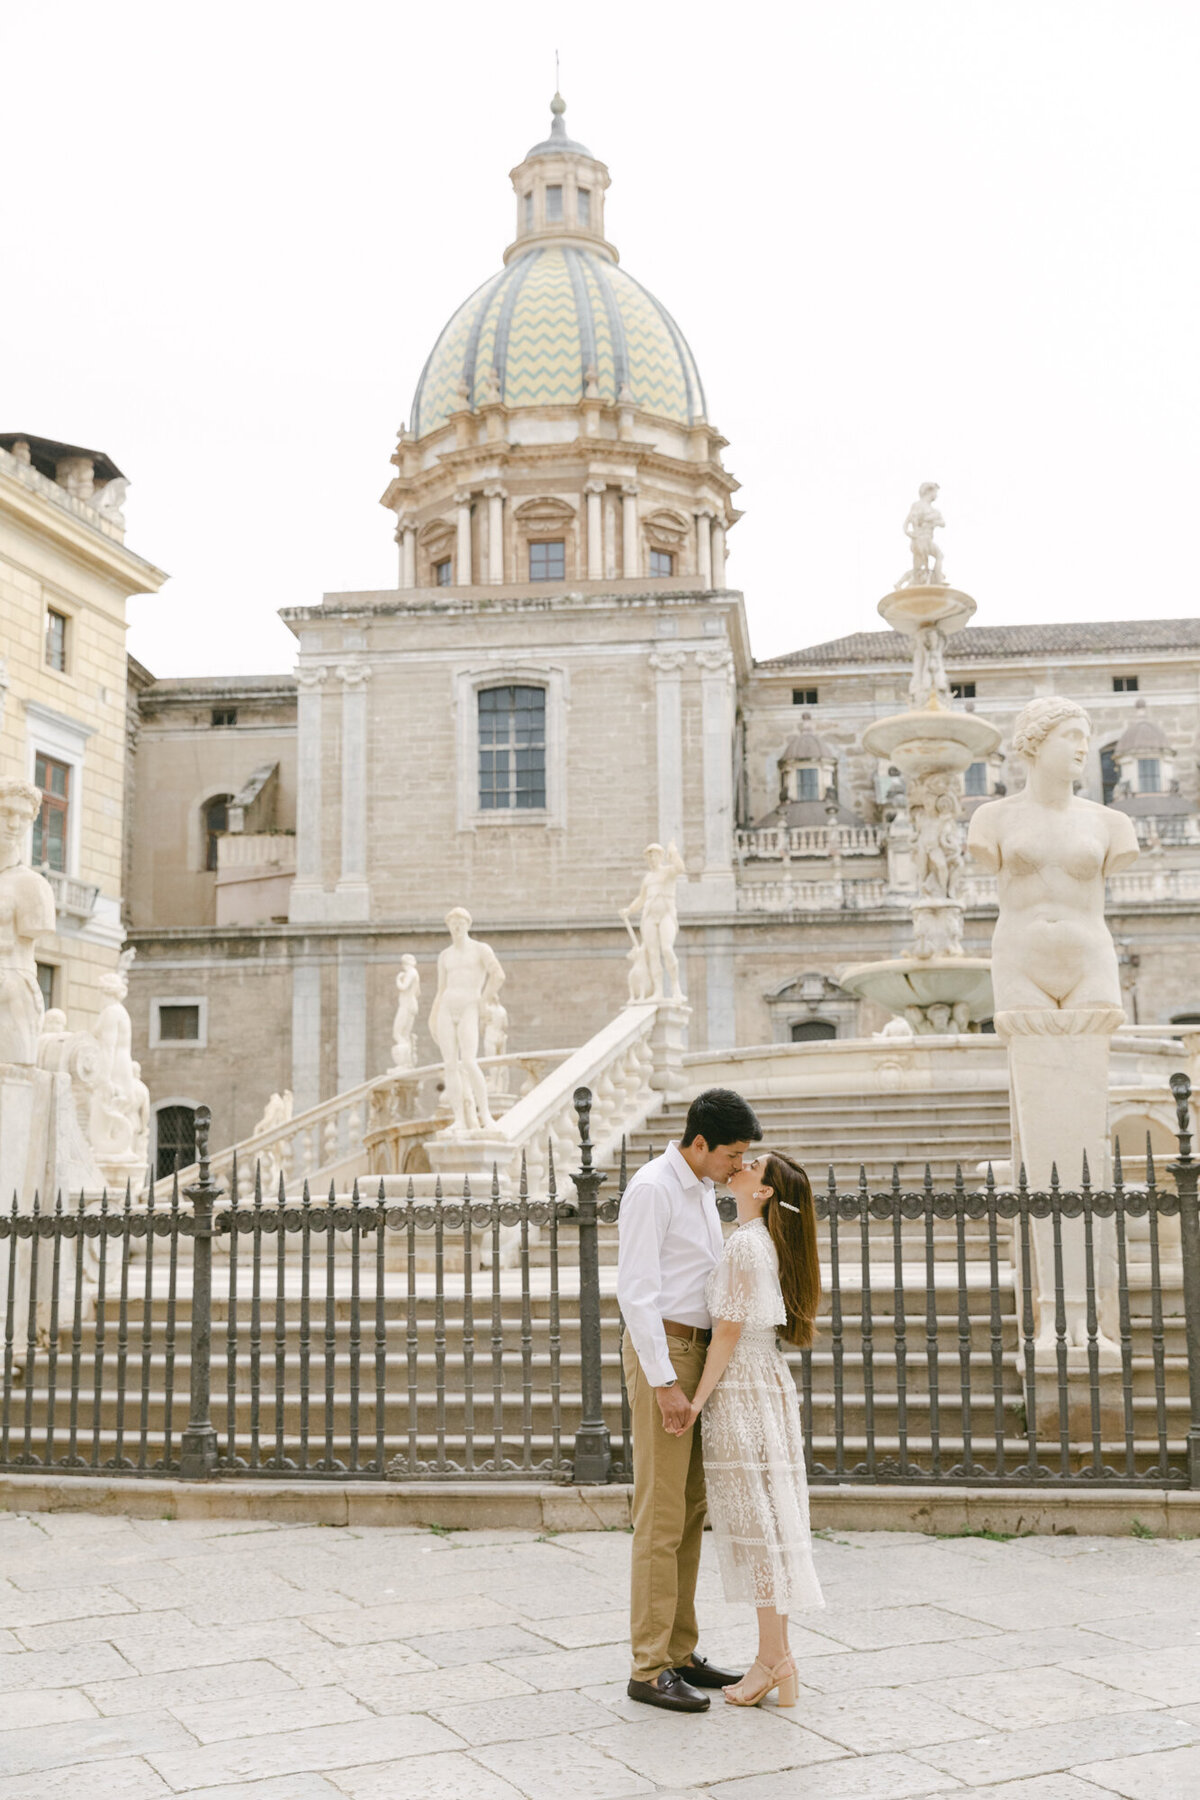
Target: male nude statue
922,521
660,919
469,979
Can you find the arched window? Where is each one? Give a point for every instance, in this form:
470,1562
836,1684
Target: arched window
216,821
175,1140
813,1031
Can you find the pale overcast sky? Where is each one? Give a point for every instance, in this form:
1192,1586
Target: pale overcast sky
951,241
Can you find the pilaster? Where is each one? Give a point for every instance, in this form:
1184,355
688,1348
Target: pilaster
631,561
462,561
496,497
353,895
668,695
595,530
307,901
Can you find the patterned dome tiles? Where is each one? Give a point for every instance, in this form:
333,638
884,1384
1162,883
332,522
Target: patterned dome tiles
542,323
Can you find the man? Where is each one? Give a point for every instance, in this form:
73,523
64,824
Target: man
670,1240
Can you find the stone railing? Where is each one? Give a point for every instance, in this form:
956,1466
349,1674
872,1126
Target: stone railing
110,525
779,843
1136,886
77,899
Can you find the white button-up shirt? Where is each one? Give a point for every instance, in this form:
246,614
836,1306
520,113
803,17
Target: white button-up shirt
670,1242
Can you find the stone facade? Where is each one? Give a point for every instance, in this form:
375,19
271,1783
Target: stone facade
562,512
65,575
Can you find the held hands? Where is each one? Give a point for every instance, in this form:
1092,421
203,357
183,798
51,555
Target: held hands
676,1409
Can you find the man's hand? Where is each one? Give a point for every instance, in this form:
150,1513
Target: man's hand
675,1407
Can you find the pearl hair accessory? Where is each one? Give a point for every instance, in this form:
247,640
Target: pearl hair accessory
789,1206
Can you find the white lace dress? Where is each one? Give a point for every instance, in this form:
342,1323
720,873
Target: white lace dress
754,1441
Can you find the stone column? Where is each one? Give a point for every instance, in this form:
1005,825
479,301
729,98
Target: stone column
462,560
353,893
718,554
352,1015
704,549
668,694
609,504
1058,1062
495,499
595,530
717,721
631,561
408,554
306,1031
308,892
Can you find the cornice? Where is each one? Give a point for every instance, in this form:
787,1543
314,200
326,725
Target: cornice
84,542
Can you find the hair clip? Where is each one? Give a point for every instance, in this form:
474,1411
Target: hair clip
789,1206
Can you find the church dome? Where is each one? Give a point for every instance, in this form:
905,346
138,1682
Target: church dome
536,333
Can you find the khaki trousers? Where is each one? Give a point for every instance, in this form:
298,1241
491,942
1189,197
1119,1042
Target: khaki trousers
668,1517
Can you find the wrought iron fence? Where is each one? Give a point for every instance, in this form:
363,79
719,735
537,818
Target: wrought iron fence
477,1336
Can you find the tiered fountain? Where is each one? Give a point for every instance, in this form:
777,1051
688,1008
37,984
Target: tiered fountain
937,988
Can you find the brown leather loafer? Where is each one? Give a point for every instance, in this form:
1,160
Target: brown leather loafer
700,1673
670,1691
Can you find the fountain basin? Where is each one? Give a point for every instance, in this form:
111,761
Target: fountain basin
962,985
931,738
910,609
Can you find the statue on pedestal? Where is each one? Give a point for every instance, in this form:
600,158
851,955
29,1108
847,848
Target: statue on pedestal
408,997
120,1113
469,979
656,903
1051,851
922,521
26,913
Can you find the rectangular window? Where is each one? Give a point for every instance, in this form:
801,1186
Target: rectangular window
548,562
583,206
661,563
50,826
808,784
975,780
553,205
442,573
804,696
178,1024
512,749
224,715
962,690
529,212
46,973
1125,684
56,641
1149,775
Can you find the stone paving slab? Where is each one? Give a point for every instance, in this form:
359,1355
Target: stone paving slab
234,1659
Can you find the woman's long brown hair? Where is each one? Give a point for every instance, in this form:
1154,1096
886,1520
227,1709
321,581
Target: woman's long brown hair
794,1235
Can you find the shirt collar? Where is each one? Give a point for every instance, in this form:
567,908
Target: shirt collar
685,1174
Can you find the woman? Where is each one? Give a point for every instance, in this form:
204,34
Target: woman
768,1279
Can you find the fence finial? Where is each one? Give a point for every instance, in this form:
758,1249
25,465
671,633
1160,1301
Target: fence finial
1181,1087
203,1127
582,1100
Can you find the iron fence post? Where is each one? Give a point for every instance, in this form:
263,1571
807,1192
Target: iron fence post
593,1448
198,1445
1187,1183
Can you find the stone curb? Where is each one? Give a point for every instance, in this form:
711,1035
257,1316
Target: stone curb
543,1506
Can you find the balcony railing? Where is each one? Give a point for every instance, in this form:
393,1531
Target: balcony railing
783,894
72,899
779,843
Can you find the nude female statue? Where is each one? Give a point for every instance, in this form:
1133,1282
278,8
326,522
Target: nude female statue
660,920
26,913
469,979
1052,850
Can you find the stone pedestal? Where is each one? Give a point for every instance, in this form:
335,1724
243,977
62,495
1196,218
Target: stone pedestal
1058,1090
668,1041
472,1153
36,1117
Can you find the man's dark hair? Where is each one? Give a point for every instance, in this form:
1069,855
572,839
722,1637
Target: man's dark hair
720,1116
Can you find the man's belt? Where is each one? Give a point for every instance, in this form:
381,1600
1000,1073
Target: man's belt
697,1333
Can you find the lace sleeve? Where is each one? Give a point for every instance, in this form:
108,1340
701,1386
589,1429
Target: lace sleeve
738,1280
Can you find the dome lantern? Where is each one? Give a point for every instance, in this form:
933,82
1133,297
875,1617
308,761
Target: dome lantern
560,190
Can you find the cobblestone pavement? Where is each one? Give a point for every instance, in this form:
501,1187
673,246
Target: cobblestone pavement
235,1661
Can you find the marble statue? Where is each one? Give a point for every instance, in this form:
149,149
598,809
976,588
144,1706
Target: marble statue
110,498
469,979
404,1033
655,902
26,914
922,521
933,810
118,1129
929,676
1051,851
274,1159
493,1020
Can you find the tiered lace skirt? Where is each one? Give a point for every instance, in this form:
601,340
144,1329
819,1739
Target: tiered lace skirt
754,1472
